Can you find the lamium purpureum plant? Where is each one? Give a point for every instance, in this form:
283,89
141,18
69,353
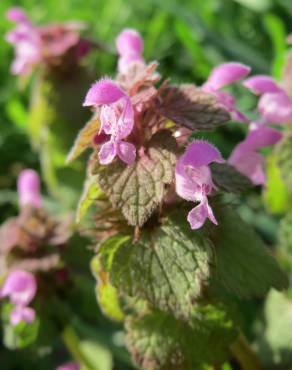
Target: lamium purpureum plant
52,56
33,271
172,255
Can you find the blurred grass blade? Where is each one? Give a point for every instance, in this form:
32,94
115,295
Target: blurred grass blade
275,27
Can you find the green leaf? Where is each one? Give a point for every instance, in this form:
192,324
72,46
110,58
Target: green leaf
284,154
91,193
275,193
189,106
166,267
243,264
229,179
107,295
275,342
158,341
139,189
84,139
96,355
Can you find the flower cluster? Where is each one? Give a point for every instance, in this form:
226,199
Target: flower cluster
24,251
274,107
20,286
47,45
130,110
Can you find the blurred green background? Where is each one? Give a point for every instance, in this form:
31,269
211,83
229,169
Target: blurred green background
187,37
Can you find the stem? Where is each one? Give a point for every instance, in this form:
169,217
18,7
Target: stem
245,355
71,341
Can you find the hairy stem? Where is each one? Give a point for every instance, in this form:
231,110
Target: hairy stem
245,355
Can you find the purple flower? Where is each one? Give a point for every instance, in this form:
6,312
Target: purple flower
261,84
26,40
22,313
194,180
69,366
16,14
28,186
129,45
245,157
34,45
224,75
116,118
274,105
20,286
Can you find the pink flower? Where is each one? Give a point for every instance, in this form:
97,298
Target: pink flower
16,14
26,40
28,186
261,84
34,45
117,120
20,286
69,366
224,75
245,157
194,180
22,313
129,45
274,105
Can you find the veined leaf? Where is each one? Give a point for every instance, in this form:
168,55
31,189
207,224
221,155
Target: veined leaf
167,267
138,189
191,107
158,341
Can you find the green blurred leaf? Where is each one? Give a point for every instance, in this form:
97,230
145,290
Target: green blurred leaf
243,264
275,342
276,30
98,356
275,193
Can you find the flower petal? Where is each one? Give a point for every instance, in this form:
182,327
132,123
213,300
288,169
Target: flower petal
127,152
20,286
262,136
129,42
276,107
16,14
201,153
225,74
198,215
102,92
107,152
249,163
69,366
28,187
261,84
22,313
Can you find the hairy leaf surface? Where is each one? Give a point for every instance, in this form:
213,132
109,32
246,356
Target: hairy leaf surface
138,189
191,107
167,267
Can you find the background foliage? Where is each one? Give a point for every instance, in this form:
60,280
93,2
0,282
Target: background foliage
187,38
